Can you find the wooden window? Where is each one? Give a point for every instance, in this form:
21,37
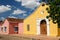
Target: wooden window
28,27
5,29
16,29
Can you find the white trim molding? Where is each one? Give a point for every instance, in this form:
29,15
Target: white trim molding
38,26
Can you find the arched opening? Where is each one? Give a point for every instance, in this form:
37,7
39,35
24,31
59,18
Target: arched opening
43,27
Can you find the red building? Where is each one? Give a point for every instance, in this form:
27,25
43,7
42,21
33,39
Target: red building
11,26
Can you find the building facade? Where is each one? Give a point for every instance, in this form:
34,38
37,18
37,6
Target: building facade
12,26
38,24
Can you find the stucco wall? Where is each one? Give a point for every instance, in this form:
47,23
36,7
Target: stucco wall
11,28
32,23
5,24
58,31
20,28
31,20
20,25
53,29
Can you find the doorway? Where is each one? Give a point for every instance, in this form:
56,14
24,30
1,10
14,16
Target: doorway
43,27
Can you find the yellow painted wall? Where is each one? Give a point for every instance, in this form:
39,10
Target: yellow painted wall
58,31
53,29
31,20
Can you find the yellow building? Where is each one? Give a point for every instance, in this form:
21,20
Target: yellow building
38,24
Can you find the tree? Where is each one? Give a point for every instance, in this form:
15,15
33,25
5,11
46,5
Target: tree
54,11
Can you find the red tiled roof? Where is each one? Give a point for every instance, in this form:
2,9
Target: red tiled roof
14,20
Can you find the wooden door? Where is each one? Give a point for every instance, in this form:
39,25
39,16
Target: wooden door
43,27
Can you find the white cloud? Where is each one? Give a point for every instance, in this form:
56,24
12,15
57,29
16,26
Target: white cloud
18,11
30,3
18,0
27,0
12,17
8,6
24,14
2,18
4,8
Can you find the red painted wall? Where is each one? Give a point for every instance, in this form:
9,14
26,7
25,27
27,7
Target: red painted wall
20,25
11,28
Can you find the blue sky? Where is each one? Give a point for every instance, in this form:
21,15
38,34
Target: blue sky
17,8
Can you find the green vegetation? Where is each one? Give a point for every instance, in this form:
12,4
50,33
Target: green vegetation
54,11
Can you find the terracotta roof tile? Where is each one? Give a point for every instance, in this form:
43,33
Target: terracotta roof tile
14,20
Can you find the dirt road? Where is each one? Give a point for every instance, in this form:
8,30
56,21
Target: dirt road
26,37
